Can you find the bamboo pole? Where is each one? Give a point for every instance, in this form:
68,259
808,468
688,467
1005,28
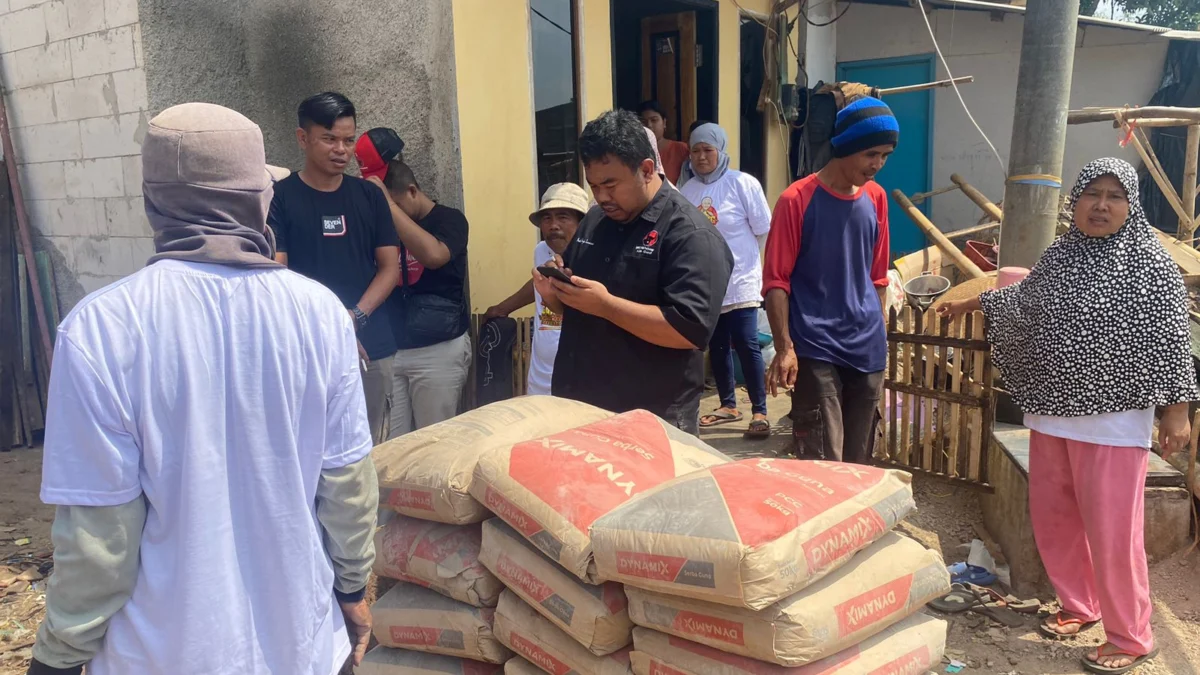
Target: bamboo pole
960,259
978,197
1191,150
922,196
957,234
1159,122
928,85
1152,167
1149,112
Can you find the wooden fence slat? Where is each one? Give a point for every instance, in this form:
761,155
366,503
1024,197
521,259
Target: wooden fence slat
977,415
939,438
906,412
989,407
928,360
956,426
893,415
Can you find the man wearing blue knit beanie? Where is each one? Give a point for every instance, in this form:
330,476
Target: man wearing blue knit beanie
824,281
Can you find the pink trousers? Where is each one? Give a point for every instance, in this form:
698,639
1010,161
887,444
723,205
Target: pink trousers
1086,502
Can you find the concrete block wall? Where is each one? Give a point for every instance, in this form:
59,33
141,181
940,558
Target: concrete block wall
75,84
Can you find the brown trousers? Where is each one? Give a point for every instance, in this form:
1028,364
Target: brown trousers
834,412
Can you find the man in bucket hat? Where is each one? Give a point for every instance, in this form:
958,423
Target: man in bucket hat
207,445
562,207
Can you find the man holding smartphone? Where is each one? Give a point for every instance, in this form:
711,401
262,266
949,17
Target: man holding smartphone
647,276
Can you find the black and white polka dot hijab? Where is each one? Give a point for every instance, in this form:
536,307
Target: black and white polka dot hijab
1100,325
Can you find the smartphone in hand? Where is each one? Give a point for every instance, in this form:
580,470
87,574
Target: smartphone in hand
553,273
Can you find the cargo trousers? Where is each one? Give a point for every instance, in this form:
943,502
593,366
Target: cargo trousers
834,412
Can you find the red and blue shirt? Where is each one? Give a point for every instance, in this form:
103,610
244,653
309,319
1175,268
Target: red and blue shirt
829,253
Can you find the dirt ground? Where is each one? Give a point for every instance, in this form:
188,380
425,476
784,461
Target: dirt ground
945,520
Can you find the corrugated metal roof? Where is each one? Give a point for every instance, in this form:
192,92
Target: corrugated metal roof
981,6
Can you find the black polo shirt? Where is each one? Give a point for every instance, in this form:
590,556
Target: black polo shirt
669,256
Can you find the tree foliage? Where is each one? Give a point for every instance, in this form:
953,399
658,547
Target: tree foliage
1180,14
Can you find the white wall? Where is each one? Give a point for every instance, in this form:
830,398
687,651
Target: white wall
1113,67
75,87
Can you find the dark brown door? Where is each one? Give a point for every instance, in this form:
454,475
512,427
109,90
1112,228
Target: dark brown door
669,68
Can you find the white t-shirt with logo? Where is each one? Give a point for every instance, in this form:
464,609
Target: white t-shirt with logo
546,329
220,394
1125,429
736,205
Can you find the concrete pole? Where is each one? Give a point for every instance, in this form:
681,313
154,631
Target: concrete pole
1031,197
820,43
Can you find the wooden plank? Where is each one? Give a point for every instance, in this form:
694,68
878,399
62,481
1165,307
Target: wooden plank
10,413
1191,150
936,394
893,414
1153,168
978,371
929,357
989,409
942,407
978,197
906,403
1087,115
956,427
45,274
940,341
892,91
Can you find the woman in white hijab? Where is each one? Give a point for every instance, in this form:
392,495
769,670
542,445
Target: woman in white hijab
733,202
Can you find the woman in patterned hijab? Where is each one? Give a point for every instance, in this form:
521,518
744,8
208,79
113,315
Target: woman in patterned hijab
1090,344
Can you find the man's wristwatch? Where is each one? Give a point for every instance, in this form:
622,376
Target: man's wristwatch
360,318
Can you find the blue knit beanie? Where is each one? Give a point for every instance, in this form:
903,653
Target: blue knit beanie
864,124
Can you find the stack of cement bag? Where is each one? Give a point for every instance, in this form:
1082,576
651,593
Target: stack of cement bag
783,562
604,522
440,618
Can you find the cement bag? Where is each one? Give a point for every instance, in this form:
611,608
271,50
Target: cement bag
519,666
438,556
552,488
387,661
751,532
543,644
425,474
890,580
596,616
411,617
913,646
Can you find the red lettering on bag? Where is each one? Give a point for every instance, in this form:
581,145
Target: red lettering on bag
437,550
408,498
659,668
839,542
414,635
537,656
873,606
523,522
647,566
522,579
710,627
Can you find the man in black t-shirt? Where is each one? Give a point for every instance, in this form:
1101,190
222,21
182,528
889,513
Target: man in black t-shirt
429,310
337,230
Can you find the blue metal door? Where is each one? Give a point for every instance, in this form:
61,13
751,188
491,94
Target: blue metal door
910,167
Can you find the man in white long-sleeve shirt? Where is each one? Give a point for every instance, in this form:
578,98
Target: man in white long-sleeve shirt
207,441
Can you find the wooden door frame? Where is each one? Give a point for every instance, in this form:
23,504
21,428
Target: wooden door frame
683,23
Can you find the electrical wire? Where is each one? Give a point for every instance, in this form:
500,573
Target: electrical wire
829,22
920,6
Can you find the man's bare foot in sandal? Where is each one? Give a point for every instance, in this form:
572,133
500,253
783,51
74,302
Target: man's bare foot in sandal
1110,659
1061,625
760,427
720,416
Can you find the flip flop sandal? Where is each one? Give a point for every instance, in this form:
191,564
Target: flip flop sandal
962,573
1092,666
718,418
758,429
957,601
998,611
1064,620
1030,606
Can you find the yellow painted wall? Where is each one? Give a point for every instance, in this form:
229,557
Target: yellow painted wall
595,62
495,125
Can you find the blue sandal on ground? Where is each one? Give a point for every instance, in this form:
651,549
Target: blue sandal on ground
962,573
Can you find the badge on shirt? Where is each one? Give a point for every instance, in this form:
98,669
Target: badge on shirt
709,211
333,226
647,247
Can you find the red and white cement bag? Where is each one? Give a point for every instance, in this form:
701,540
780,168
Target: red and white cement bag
519,666
890,580
596,616
427,473
552,488
546,646
913,646
438,556
416,618
388,661
751,532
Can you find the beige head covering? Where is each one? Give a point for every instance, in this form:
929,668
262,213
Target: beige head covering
207,188
562,196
